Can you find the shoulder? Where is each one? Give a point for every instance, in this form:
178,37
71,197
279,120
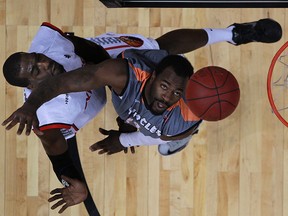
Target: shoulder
152,57
143,60
45,37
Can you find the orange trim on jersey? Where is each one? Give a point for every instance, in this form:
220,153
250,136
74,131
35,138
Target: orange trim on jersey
141,75
54,126
47,24
116,47
185,111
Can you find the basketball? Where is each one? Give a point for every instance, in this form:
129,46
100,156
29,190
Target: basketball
212,93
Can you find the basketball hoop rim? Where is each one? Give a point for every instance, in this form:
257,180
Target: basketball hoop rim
269,77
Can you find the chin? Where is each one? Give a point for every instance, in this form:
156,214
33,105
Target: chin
157,112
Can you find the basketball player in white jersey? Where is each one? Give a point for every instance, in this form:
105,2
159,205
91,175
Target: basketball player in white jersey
209,36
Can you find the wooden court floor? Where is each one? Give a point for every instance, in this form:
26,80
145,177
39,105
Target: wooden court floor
235,167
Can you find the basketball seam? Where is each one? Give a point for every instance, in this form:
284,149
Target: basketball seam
199,98
202,84
219,102
210,70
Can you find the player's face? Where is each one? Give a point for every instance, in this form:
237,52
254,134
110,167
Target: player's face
38,67
164,90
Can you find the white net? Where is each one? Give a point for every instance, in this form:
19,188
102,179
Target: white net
279,84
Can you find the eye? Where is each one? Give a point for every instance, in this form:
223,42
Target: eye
178,94
35,70
163,86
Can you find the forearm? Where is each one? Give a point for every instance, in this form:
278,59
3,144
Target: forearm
75,81
112,72
138,139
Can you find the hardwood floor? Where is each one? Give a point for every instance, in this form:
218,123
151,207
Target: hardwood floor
234,167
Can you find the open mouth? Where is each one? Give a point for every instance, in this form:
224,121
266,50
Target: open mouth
160,105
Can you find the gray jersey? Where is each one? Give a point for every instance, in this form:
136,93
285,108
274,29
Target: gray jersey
130,105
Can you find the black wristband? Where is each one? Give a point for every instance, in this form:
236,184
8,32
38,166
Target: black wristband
63,165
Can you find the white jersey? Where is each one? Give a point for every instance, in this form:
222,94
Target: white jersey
68,112
115,44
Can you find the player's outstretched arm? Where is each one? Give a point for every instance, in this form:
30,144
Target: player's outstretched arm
112,72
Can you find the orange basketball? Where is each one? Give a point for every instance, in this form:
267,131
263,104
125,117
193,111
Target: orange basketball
212,93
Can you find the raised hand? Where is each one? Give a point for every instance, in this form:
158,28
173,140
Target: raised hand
111,144
25,116
74,194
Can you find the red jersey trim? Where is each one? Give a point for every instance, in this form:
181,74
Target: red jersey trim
54,126
116,47
49,25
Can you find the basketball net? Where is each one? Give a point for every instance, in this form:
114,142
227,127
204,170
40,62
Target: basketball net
277,84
